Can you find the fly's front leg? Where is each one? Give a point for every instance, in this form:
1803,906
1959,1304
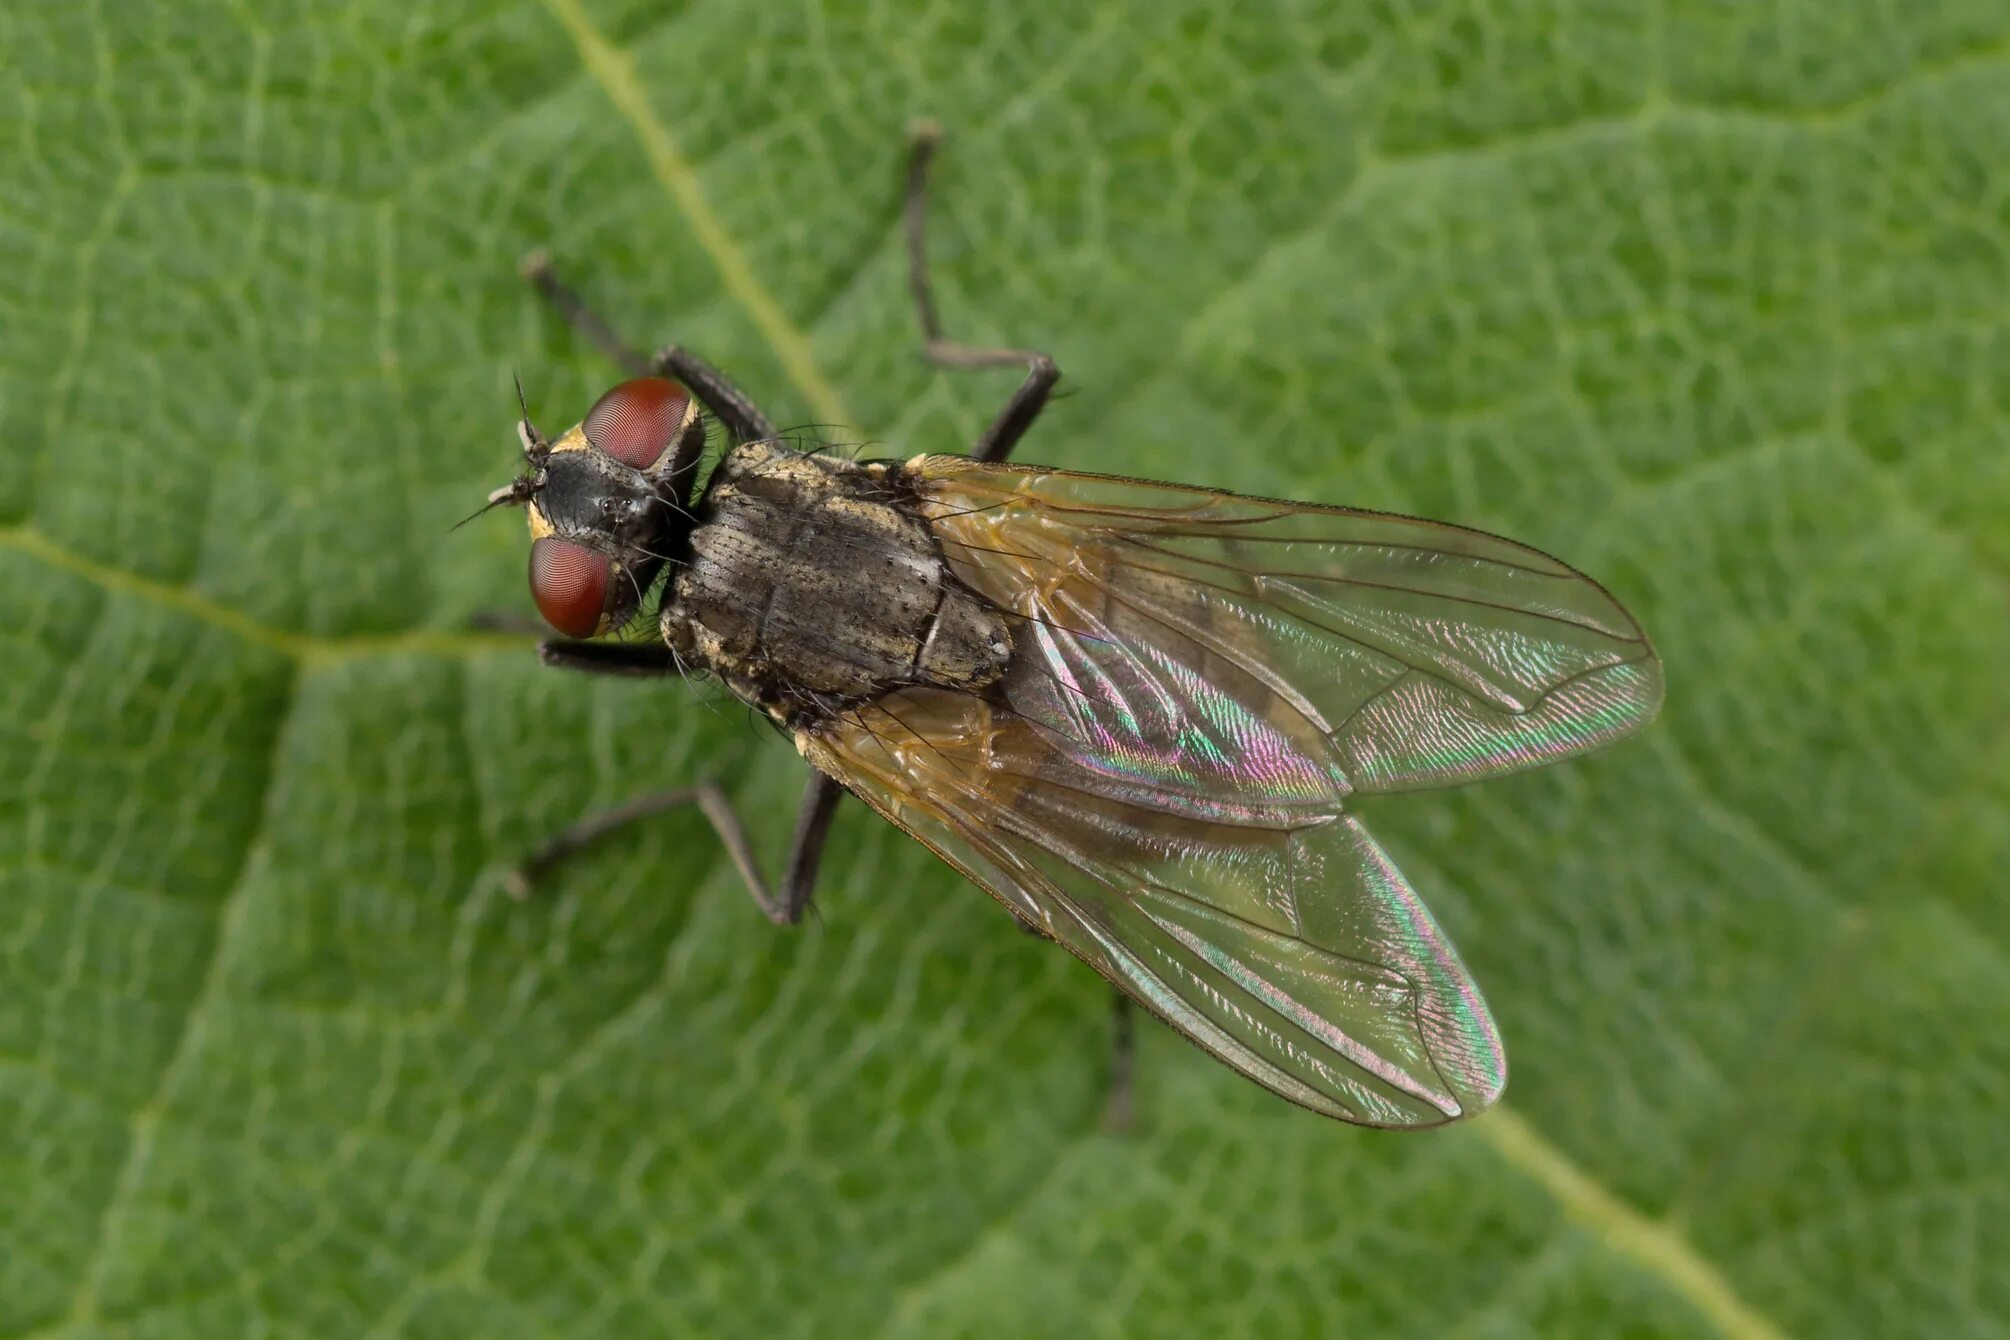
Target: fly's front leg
628,660
726,402
746,423
784,906
1026,403
568,304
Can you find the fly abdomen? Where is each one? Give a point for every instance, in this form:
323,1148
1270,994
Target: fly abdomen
809,585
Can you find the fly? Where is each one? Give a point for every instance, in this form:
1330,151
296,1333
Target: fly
1137,714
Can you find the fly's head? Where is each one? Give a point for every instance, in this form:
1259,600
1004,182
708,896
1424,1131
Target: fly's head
607,502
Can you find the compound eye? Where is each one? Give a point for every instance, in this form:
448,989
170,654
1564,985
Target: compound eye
636,422
569,583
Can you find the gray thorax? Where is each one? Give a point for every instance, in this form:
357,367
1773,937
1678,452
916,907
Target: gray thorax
812,585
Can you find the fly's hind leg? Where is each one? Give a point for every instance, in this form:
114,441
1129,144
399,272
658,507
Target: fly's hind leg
996,444
1026,403
1118,1109
784,906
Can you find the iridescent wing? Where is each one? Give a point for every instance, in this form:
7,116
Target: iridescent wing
1199,682
1291,949
1426,654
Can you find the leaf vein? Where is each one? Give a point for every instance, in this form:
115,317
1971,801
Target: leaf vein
614,70
146,1119
1658,1246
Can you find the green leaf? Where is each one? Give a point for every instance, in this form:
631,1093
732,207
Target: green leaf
1712,300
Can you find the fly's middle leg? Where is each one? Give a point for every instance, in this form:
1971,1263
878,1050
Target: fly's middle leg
1026,403
784,905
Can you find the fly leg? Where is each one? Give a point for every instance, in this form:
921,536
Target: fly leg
633,660
568,304
996,444
646,660
1026,403
716,392
784,906
727,402
1118,1110
746,423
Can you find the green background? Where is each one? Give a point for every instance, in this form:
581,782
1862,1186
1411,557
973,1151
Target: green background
1711,299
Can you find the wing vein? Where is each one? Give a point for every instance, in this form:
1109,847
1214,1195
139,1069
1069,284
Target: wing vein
1340,580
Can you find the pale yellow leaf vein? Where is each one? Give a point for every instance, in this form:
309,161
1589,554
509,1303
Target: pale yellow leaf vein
1657,1247
614,71
307,648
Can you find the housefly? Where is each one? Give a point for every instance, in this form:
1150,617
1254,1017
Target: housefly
1137,714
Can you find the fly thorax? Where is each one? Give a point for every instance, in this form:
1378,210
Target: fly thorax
813,581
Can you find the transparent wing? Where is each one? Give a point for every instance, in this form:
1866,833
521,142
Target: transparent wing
1281,940
1423,654
1198,683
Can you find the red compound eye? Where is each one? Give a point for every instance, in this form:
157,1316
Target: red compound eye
636,422
569,583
